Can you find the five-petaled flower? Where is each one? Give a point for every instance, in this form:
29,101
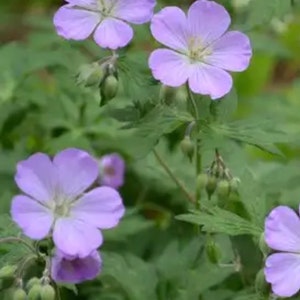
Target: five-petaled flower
282,234
201,51
107,19
57,201
112,168
72,269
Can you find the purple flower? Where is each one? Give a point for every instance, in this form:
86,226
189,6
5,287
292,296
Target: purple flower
106,19
70,269
201,52
56,202
112,168
282,233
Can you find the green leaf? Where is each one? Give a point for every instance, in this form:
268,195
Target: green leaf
218,220
137,278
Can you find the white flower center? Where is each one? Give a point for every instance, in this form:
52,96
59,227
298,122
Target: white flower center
106,7
197,51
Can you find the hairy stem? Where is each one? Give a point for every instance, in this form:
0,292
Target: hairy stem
173,177
17,240
198,150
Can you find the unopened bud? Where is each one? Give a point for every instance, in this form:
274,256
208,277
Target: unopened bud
261,286
202,181
211,185
234,184
90,74
223,188
109,88
213,251
7,272
19,294
187,147
33,281
263,245
35,292
47,292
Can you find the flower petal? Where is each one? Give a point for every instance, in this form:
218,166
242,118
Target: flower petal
75,23
34,219
169,67
102,207
113,34
75,270
209,80
91,4
75,237
282,229
231,52
77,171
207,20
37,177
136,12
169,27
282,270
112,168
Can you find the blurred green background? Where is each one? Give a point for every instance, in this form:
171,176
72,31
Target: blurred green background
42,109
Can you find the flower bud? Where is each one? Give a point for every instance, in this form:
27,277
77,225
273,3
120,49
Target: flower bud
261,286
223,188
90,74
234,184
202,181
263,245
213,251
35,292
109,88
19,294
33,281
187,147
7,272
211,185
47,292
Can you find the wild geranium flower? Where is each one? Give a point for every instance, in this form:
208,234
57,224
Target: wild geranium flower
112,168
72,269
107,20
201,51
282,233
57,201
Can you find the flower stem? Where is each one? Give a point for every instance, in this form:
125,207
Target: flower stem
198,150
173,177
17,240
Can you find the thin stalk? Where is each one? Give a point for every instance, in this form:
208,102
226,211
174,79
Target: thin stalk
173,177
17,240
198,150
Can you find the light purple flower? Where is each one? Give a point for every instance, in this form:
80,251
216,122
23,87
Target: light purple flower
68,269
202,50
106,19
282,233
112,168
56,201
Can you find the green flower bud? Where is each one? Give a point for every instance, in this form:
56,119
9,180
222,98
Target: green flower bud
33,281
7,272
19,294
234,184
109,88
35,292
263,245
223,188
261,286
211,185
47,292
202,180
90,74
187,147
213,251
